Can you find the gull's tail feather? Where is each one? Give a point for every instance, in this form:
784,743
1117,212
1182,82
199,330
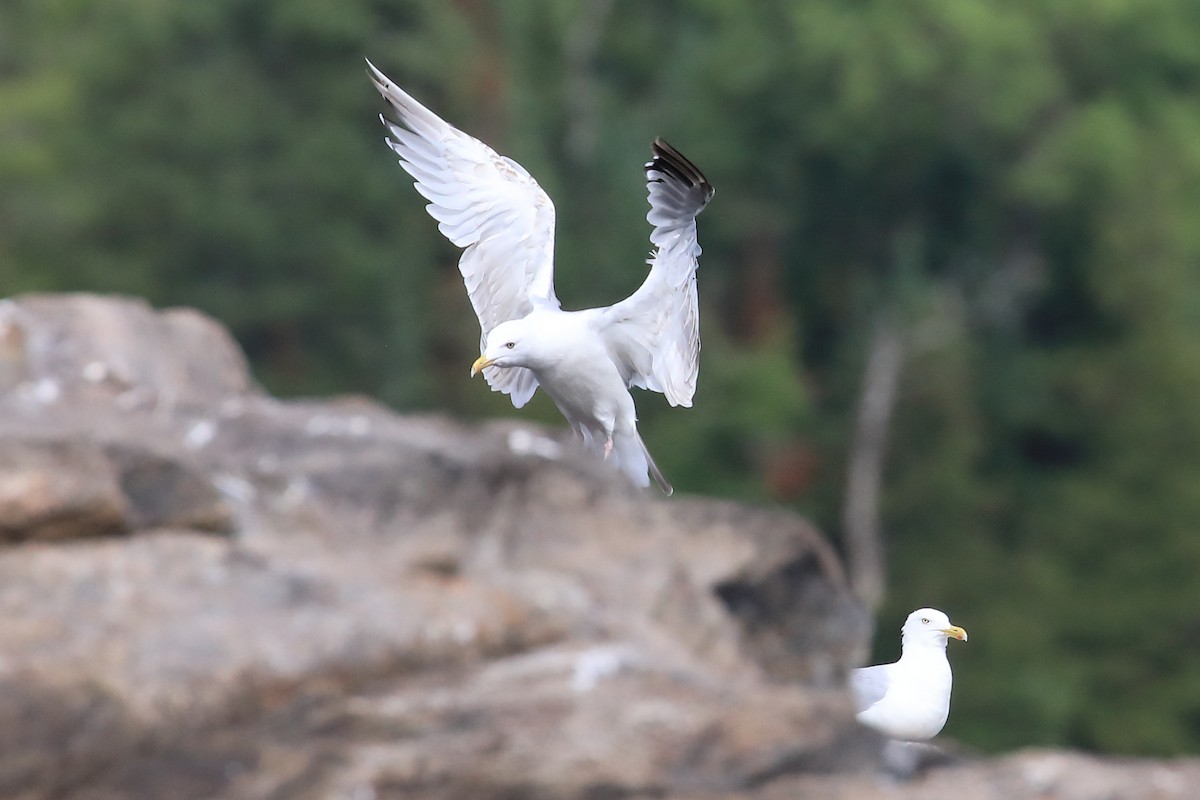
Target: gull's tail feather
630,456
635,461
659,479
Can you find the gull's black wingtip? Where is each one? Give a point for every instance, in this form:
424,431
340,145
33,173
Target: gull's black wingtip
375,74
669,160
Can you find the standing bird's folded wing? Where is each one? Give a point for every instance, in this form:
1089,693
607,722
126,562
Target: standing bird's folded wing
487,204
869,685
654,335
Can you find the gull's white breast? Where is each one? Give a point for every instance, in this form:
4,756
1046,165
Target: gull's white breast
917,702
581,377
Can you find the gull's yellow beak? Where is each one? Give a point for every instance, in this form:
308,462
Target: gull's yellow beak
955,632
480,363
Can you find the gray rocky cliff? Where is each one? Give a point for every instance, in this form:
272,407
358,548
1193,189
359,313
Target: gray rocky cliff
211,593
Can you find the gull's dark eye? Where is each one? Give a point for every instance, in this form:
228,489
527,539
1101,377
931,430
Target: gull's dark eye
925,620
510,345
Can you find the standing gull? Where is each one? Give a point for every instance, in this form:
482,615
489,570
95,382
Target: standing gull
910,699
585,360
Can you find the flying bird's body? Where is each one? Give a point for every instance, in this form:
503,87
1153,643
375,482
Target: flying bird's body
588,390
909,699
580,375
586,361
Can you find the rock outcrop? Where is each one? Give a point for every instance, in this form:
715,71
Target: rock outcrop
210,593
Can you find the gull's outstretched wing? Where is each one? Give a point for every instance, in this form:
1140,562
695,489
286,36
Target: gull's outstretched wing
487,204
653,335
869,685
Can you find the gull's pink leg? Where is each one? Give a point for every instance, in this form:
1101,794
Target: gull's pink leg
608,445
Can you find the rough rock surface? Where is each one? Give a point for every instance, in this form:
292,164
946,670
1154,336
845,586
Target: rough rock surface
209,593
391,605
1024,775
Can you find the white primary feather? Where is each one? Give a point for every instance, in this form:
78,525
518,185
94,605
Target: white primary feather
489,205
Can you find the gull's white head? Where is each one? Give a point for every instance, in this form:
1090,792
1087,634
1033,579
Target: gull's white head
509,344
928,626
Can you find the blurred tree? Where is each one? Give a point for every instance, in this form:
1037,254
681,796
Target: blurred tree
1014,181
217,154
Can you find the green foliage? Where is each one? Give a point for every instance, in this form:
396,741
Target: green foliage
1017,182
707,448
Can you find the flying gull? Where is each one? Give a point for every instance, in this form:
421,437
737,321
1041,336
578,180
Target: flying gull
910,698
585,360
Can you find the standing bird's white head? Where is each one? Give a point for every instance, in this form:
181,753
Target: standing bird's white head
929,627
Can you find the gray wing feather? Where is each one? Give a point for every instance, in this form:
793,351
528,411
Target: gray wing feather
869,685
654,334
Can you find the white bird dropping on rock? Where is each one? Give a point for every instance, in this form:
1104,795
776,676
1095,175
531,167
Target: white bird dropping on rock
585,360
910,698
